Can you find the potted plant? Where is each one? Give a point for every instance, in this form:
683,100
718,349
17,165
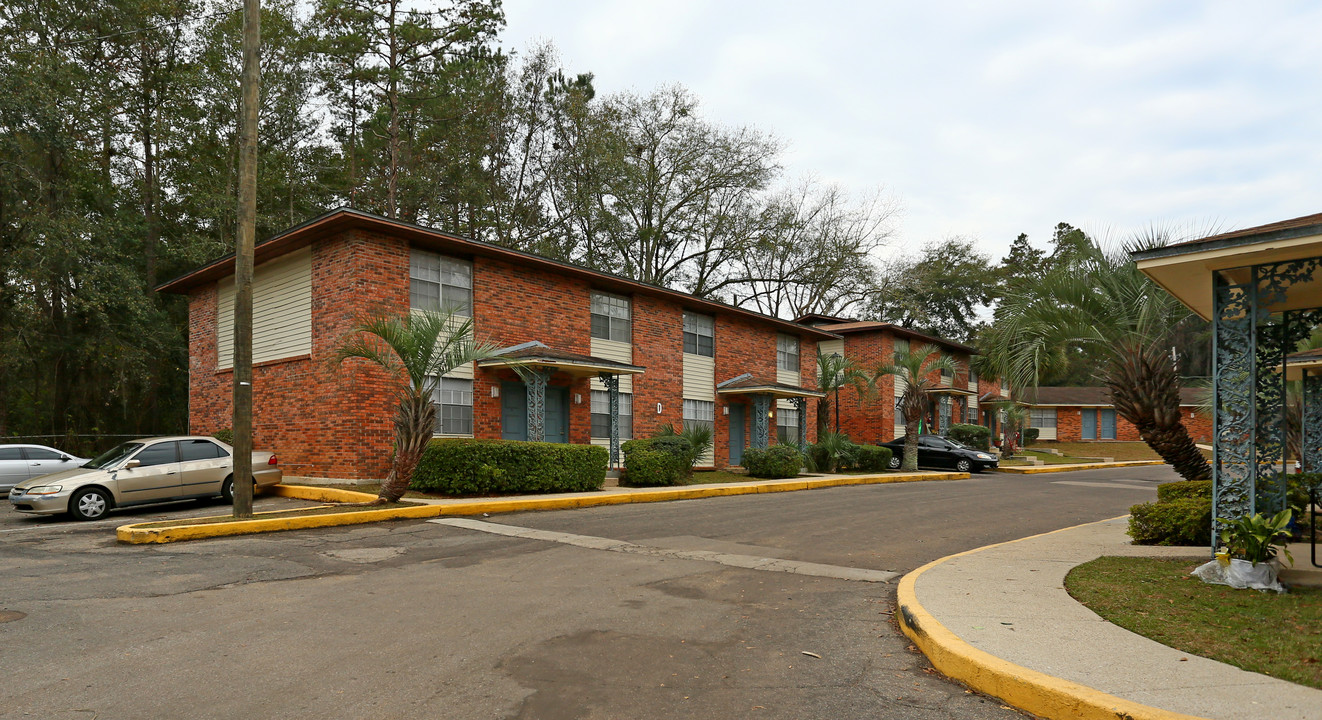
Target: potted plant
1252,542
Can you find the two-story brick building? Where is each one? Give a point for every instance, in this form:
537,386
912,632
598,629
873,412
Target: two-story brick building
869,344
578,337
1084,414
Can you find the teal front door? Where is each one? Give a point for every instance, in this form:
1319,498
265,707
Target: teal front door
514,412
737,434
1108,424
1088,431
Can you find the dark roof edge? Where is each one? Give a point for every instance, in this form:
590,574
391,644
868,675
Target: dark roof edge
1228,240
181,283
906,331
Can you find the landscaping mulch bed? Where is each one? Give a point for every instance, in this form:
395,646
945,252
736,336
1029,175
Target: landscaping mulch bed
1274,634
278,514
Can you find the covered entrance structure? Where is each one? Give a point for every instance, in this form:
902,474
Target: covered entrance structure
1261,288
531,409
761,395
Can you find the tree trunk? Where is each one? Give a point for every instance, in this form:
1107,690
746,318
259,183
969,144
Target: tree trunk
1146,391
910,445
413,430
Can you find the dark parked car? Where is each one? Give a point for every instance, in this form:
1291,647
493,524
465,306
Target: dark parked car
936,451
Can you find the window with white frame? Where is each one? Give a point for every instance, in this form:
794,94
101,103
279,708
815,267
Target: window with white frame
973,379
901,346
1042,418
453,399
610,317
437,282
787,352
787,425
699,335
601,415
699,413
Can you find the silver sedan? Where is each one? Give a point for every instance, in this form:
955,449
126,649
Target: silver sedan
21,462
142,471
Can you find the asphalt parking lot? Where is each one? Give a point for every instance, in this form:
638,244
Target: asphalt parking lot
13,522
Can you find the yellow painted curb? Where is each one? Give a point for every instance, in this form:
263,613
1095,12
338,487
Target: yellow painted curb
1035,469
1038,693
137,535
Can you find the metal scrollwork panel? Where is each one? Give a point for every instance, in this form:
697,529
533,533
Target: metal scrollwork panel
801,406
1269,416
761,427
612,383
1233,378
1312,429
536,378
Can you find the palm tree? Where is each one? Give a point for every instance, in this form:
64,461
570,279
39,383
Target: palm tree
1103,304
416,349
835,372
916,368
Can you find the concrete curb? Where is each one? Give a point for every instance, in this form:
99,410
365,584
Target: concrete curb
133,534
1035,692
1035,469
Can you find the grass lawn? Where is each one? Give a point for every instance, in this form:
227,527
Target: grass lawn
1276,635
1121,451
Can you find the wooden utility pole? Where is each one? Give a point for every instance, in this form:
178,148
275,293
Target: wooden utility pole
243,259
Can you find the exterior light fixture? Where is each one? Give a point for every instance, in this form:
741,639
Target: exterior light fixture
578,399
495,391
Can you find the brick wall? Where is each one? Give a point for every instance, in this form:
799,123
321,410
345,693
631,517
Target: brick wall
1069,425
337,423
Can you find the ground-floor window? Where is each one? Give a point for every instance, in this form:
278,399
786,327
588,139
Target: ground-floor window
601,415
787,425
453,399
699,413
1043,418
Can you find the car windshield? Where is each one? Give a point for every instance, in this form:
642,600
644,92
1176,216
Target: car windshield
958,444
110,457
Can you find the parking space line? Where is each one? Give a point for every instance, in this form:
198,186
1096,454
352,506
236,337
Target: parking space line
751,562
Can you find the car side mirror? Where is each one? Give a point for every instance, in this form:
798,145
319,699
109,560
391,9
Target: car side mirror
132,464
65,458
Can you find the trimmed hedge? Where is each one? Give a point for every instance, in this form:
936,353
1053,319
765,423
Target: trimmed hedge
1184,521
225,435
481,467
975,436
658,461
872,458
1171,491
777,461
1030,435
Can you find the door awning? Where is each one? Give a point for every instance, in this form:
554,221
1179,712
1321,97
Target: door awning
539,355
749,384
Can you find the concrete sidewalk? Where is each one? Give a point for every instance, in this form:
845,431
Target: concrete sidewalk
999,619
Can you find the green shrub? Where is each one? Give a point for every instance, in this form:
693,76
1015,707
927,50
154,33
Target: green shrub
975,436
1030,435
701,439
658,461
777,461
834,451
1171,491
225,435
1185,521
872,458
481,467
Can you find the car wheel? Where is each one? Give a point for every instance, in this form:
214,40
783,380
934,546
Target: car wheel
227,489
895,462
90,504
963,465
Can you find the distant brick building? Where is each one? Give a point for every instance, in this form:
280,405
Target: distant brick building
671,357
962,397
1075,414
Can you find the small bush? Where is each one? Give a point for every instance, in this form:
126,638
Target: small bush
1185,521
1172,491
659,461
225,435
481,467
834,451
975,436
777,461
1030,435
872,458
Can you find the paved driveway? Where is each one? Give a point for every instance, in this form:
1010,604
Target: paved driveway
419,619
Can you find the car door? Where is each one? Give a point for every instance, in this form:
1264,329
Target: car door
44,461
203,465
155,478
13,467
935,452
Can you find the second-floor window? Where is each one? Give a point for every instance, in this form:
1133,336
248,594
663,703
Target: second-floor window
610,317
437,282
973,378
699,335
901,346
787,353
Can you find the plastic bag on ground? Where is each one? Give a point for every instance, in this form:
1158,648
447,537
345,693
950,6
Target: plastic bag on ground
1240,574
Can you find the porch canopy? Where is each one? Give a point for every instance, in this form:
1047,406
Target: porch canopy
945,405
1262,290
762,392
535,363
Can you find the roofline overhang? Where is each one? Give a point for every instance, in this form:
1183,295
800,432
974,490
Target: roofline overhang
908,332
344,218
572,366
773,390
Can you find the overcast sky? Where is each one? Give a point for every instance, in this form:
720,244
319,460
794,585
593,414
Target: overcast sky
994,118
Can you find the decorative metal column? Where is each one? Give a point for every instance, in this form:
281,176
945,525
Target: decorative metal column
535,379
1312,429
612,383
761,428
944,405
1233,374
801,407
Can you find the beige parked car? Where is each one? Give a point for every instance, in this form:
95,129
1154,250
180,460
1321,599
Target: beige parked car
142,471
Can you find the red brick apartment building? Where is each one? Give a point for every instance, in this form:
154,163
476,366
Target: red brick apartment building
963,398
1075,414
670,357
